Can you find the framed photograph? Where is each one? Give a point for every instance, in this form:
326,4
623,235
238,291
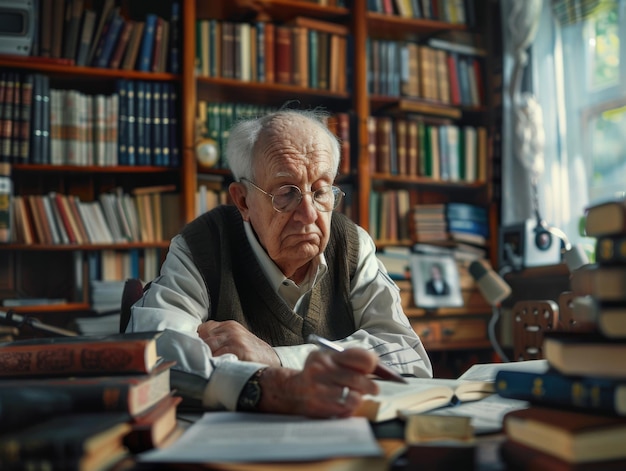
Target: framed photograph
435,280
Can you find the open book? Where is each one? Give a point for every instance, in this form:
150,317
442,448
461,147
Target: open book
426,394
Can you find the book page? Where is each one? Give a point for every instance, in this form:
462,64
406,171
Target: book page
486,415
488,371
250,437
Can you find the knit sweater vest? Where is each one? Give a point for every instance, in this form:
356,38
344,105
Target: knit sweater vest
239,290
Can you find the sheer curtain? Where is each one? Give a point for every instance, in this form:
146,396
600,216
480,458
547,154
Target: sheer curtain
536,148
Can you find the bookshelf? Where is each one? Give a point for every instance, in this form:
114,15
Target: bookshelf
349,94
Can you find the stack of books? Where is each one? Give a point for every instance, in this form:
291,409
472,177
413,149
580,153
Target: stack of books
578,415
83,402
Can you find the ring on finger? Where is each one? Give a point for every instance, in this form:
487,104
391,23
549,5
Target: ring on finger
344,395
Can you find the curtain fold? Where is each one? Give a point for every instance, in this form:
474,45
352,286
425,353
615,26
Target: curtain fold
522,153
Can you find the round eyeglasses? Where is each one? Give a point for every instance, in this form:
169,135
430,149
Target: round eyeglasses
288,197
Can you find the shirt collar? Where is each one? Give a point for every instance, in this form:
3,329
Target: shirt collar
276,277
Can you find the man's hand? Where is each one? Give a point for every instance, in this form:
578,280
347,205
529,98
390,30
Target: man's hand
330,385
232,337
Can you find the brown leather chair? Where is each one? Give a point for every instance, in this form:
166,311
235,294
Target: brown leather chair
133,291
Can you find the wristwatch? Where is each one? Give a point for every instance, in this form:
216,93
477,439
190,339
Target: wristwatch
250,395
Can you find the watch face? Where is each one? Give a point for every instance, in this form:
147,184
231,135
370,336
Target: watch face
250,395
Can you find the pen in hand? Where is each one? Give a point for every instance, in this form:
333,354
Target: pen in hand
382,370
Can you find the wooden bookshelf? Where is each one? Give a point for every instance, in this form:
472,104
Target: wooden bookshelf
192,87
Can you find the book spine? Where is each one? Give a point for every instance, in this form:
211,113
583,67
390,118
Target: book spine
175,39
586,393
122,44
103,56
89,21
157,127
611,249
6,194
144,61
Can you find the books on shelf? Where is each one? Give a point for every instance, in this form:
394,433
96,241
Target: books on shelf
80,355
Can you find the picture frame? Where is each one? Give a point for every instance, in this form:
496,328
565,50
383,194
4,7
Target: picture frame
430,294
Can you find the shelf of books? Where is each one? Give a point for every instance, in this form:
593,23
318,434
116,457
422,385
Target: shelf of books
92,137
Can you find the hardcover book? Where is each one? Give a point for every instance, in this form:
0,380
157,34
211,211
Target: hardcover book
604,282
131,394
606,218
81,355
520,457
585,354
152,428
575,437
589,393
608,318
76,441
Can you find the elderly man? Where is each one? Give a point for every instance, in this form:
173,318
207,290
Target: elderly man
252,280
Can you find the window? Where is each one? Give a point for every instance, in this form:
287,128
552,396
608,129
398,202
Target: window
586,61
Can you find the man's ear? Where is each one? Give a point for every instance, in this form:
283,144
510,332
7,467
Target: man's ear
238,193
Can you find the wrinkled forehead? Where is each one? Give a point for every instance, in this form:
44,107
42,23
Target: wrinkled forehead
289,135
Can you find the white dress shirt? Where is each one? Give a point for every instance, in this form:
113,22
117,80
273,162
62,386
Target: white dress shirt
178,301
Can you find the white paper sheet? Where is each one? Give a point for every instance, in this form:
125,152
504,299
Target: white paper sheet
249,437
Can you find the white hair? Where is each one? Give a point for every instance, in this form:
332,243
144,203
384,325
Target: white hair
245,133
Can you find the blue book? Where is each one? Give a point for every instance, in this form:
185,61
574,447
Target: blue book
174,53
122,123
468,226
147,122
455,210
165,124
173,126
260,34
103,55
45,123
140,126
157,126
147,43
131,146
592,394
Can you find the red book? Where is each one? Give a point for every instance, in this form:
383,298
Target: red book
72,203
455,87
80,355
154,427
25,117
343,133
283,58
70,228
